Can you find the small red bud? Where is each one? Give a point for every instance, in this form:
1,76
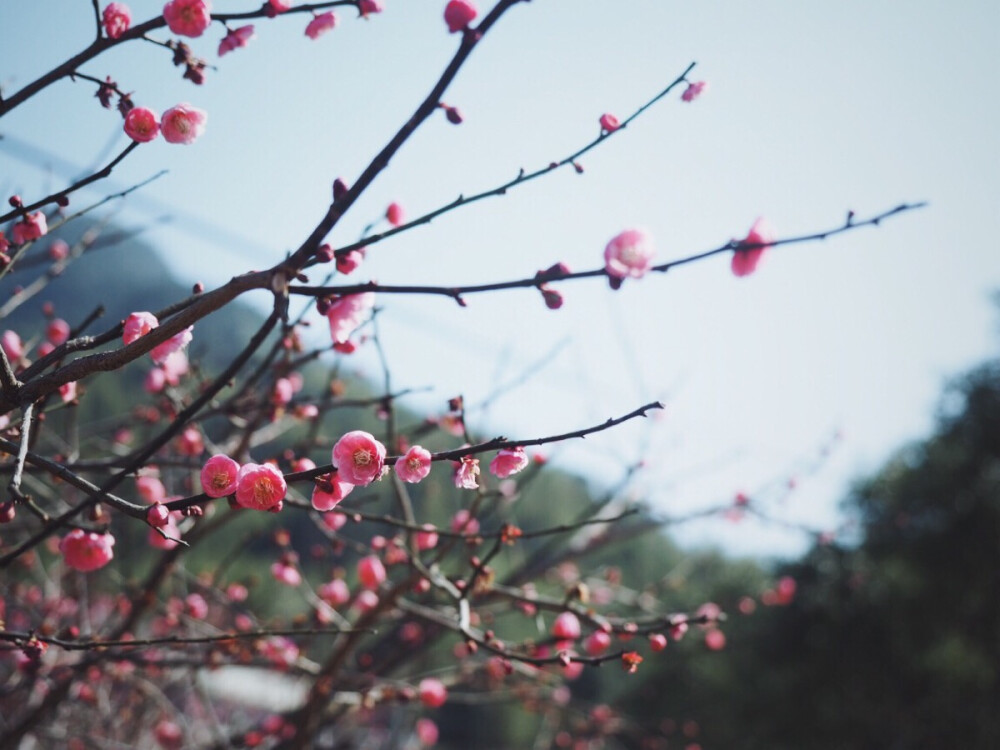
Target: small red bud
339,189
15,201
198,288
453,115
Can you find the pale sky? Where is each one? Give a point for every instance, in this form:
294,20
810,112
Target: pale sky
812,109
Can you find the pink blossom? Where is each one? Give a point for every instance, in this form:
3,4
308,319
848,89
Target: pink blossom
427,732
157,515
155,381
657,641
58,250
371,572
117,19
11,344
67,391
175,343
467,473
168,734
745,261
597,643
415,465
347,313
609,122
174,366
195,606
335,593
629,254
508,461
394,214
366,601
30,228
279,650
715,639
188,17
138,324
237,592
566,627
57,331
428,538
350,261
463,522
141,124
286,573
369,6
235,39
323,500
281,5
150,489
191,443
694,90
359,457
220,476
785,590
259,486
320,25
458,14
283,391
183,124
165,537
433,693
4,243
86,550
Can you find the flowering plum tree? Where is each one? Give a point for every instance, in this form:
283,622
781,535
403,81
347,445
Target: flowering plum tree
130,558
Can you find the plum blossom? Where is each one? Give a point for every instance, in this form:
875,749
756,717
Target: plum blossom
30,228
235,39
335,593
745,261
259,486
371,572
415,465
427,732
463,522
428,538
188,17
347,313
508,461
285,572
394,214
458,14
359,457
11,344
183,124
86,550
281,5
597,643
694,90
321,24
566,627
629,254
609,122
58,250
174,344
350,261
117,19
142,124
433,693
67,391
150,489
368,7
138,324
466,473
327,495
57,331
220,476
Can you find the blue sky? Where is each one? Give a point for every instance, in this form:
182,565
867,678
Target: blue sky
813,109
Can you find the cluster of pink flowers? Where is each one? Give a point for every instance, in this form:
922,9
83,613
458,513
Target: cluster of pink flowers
256,486
347,313
138,324
30,228
188,17
117,19
180,124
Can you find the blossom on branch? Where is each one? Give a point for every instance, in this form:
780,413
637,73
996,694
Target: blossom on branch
219,476
508,461
751,248
183,124
329,491
321,24
86,550
629,254
141,124
610,123
359,457
117,19
30,228
175,343
467,473
415,465
394,214
368,7
138,324
188,17
458,14
694,90
260,486
347,313
235,39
